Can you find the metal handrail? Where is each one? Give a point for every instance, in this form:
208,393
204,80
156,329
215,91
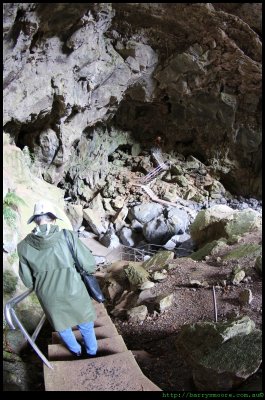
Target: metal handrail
138,254
11,317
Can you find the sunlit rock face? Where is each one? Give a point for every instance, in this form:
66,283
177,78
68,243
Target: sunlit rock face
81,80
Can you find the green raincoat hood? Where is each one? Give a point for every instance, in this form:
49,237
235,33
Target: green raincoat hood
39,239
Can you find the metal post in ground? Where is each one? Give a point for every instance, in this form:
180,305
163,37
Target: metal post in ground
215,306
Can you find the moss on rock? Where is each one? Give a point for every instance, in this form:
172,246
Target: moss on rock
208,248
136,274
158,261
9,282
250,249
243,221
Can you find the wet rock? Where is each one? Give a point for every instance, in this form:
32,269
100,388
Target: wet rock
136,225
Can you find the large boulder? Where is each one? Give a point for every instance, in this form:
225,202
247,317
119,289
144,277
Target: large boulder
75,214
96,220
222,355
145,212
157,231
178,219
136,274
159,261
222,221
243,221
160,229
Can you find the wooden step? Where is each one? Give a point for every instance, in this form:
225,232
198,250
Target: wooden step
106,320
100,310
102,332
116,372
58,352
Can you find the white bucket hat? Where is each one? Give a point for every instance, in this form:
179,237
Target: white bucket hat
43,207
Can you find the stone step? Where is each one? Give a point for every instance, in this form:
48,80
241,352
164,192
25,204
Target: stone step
97,305
100,310
116,372
102,332
105,320
101,313
58,352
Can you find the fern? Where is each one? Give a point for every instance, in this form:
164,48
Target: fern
10,207
9,215
13,200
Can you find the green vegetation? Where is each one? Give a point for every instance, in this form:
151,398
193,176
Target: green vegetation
10,207
9,216
13,257
13,200
9,282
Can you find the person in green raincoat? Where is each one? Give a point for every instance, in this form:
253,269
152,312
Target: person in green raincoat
47,266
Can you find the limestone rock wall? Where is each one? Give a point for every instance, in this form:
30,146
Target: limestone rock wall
82,79
27,189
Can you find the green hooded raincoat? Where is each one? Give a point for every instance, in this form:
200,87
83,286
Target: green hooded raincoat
47,266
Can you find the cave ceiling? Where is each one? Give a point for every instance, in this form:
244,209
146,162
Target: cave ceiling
82,79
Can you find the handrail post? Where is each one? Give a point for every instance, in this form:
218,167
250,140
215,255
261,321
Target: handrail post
11,317
10,304
28,337
38,328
